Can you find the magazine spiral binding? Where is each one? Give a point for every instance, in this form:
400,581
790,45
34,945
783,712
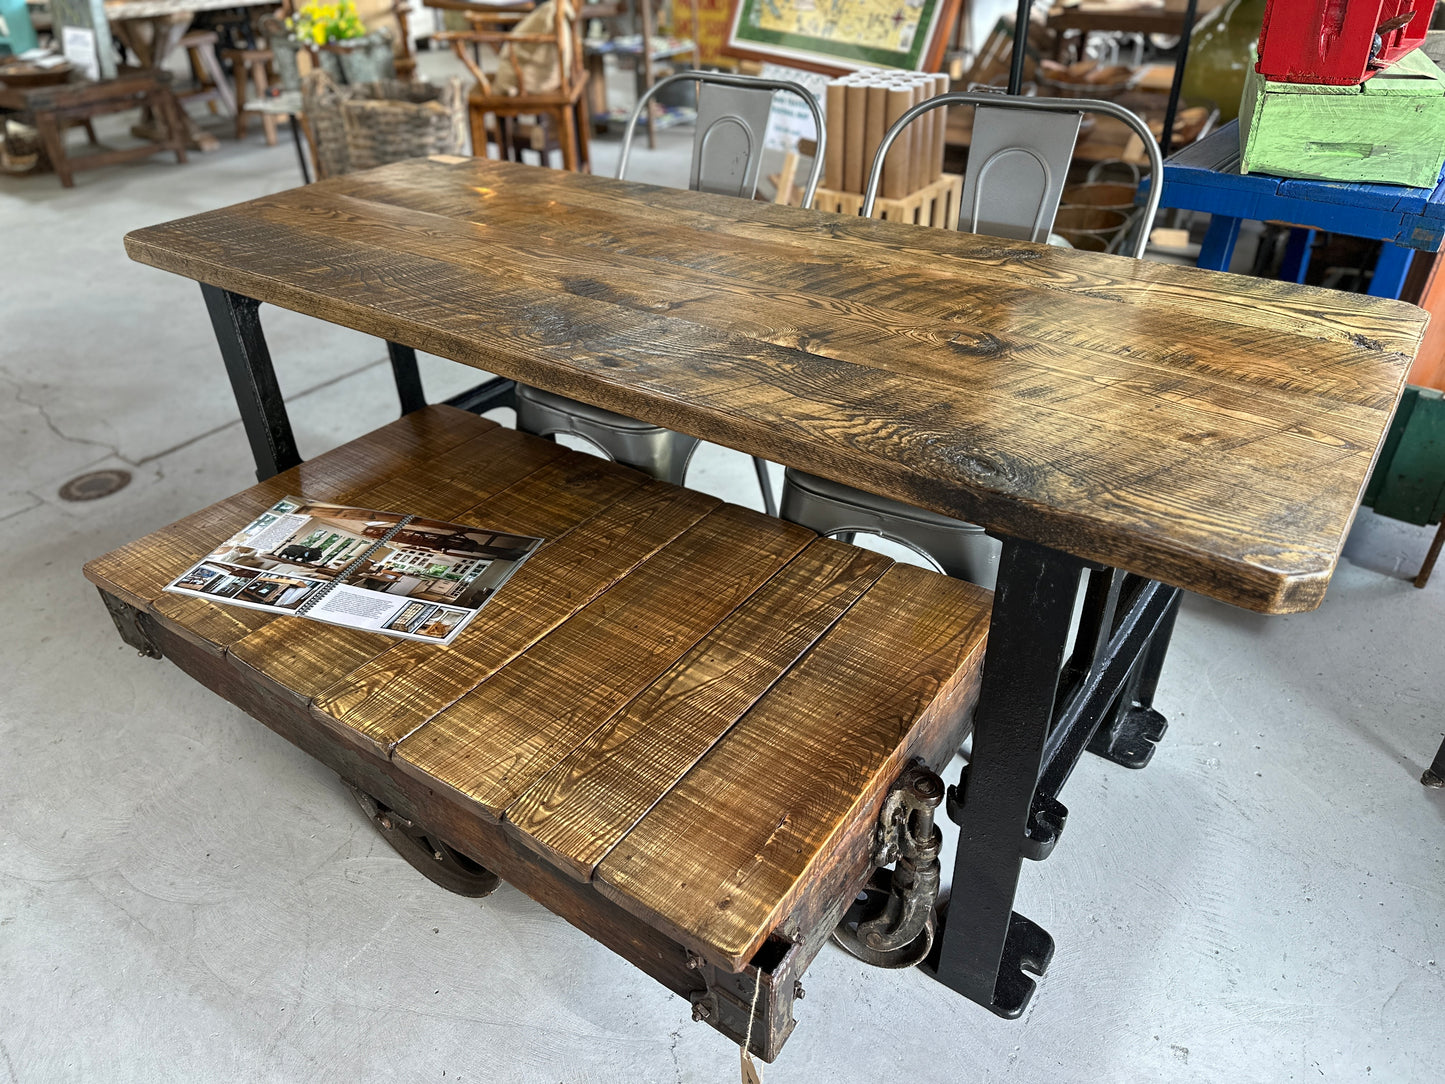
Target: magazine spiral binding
345,573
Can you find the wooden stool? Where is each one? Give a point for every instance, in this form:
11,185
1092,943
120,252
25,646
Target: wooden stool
53,109
253,64
685,727
200,47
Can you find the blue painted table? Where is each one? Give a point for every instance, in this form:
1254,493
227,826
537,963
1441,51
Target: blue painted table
1206,177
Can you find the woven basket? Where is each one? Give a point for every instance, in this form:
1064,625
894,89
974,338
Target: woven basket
358,127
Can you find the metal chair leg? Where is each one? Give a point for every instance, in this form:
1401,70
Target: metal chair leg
765,483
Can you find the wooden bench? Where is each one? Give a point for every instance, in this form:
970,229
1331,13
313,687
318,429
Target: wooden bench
675,727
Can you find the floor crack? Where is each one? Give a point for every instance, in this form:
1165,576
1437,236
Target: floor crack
28,508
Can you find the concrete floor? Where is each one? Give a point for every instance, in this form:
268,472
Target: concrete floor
184,896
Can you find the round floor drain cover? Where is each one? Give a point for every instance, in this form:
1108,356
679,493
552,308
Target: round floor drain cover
98,483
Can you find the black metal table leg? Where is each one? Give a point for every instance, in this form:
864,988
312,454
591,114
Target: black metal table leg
985,944
1135,728
1434,775
1036,715
408,376
237,325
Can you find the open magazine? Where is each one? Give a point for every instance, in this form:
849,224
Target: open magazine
421,579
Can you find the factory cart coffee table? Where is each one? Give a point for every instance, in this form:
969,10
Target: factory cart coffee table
696,732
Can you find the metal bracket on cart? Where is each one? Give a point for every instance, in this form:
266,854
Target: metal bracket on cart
892,923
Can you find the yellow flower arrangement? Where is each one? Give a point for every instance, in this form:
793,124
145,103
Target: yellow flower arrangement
319,23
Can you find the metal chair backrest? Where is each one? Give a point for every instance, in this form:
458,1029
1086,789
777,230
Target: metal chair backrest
732,119
1018,161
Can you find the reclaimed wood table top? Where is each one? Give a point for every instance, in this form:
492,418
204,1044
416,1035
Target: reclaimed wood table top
1208,430
695,708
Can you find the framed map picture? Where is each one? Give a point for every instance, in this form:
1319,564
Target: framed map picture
837,36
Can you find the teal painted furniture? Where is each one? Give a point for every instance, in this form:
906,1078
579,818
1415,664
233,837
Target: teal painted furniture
1409,484
16,33
1409,479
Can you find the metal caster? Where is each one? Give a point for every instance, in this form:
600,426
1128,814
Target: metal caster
432,857
892,923
871,906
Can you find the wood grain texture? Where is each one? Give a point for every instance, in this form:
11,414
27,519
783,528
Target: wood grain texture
401,688
775,808
579,810
1211,431
500,738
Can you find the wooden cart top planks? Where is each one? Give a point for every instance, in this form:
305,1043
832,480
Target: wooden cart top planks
1207,430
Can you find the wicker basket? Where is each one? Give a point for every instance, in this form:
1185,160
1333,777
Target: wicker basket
358,127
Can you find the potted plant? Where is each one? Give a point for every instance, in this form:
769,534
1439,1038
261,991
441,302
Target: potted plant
337,40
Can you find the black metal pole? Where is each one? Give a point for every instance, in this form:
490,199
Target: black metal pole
1021,41
1167,143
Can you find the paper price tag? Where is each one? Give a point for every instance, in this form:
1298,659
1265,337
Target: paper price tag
751,1073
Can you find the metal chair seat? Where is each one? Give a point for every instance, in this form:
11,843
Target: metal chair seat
732,118
662,453
1018,161
954,547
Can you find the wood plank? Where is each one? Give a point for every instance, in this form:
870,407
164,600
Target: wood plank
397,691
866,320
713,233
782,804
303,657
934,446
450,817
579,810
138,571
1010,354
500,738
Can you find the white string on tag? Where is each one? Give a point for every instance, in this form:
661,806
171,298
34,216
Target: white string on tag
752,1073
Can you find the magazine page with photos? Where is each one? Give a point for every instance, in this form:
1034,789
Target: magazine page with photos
388,572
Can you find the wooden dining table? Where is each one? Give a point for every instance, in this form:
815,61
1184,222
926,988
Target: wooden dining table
1130,430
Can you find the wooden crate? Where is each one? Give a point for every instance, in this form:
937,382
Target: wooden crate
936,204
1389,130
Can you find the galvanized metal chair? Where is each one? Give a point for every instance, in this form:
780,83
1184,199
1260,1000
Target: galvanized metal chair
1018,161
732,118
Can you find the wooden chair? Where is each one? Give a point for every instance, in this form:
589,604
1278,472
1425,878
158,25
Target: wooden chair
1017,165
563,105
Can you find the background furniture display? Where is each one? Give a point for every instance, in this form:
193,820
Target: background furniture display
370,124
52,108
1206,177
152,30
541,73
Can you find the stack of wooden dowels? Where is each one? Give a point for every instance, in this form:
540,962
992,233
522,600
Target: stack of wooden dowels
865,104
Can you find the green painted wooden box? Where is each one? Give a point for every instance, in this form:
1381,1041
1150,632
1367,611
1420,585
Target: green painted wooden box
1389,129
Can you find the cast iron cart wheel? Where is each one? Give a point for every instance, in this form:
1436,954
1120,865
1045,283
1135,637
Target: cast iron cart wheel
434,858
870,904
